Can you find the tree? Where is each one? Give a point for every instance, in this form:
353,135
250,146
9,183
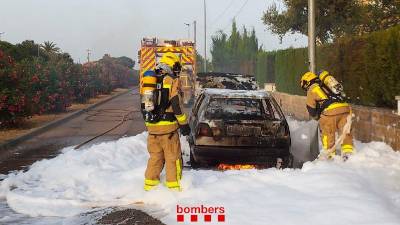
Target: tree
28,50
334,18
50,47
200,63
219,51
125,61
381,14
236,53
7,48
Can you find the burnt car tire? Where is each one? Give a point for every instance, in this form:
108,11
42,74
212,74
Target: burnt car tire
289,161
193,162
296,163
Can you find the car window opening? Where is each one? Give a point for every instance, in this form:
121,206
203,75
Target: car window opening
237,108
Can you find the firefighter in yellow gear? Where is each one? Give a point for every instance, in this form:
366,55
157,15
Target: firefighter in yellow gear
163,138
331,111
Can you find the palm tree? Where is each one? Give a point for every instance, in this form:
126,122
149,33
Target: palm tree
50,47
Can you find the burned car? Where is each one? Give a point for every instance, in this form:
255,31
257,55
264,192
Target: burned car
231,81
238,127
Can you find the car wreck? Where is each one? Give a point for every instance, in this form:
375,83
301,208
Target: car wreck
219,80
238,127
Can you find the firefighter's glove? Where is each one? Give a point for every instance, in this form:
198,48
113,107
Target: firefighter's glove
185,129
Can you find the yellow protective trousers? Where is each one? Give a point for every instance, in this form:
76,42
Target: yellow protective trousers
329,126
164,149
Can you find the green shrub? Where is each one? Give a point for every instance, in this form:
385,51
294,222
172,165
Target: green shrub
265,67
368,66
31,85
289,65
13,100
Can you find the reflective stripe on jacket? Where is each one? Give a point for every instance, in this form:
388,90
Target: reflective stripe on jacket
162,127
315,98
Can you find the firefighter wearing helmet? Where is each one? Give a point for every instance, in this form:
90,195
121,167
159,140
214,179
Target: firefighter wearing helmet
163,115
326,103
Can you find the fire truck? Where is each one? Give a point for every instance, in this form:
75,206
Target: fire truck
151,51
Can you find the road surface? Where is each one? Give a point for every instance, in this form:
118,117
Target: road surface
74,132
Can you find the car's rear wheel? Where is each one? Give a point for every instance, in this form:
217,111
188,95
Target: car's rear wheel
193,162
289,161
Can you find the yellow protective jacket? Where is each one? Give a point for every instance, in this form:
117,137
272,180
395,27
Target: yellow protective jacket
316,98
172,84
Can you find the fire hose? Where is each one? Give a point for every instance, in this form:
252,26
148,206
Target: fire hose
123,119
346,130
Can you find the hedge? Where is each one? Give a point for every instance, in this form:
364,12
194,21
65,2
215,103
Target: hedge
368,66
265,66
37,85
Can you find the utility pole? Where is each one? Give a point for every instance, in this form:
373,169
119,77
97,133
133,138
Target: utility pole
188,27
38,50
88,55
1,33
195,50
314,146
311,35
194,32
205,37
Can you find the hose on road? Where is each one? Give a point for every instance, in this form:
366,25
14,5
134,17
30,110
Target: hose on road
124,118
107,113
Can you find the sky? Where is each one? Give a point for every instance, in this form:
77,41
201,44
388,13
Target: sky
116,27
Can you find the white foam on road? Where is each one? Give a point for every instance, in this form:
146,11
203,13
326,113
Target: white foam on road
363,190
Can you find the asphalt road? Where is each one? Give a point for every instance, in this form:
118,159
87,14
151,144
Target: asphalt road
74,132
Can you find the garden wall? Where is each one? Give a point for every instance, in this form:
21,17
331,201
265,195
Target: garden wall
369,124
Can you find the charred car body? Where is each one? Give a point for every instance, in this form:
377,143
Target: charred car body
238,127
225,81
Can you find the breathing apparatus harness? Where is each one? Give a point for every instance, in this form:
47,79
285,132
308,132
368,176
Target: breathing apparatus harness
160,97
332,88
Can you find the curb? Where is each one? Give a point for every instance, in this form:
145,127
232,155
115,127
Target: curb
55,123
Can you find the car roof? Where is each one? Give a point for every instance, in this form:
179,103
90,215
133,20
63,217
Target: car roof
228,93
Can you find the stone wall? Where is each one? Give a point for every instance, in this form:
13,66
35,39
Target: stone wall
369,124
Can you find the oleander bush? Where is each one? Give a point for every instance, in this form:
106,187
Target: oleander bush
36,80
